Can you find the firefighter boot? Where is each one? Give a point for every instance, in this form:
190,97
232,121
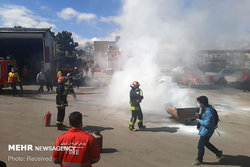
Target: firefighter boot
131,127
140,125
60,126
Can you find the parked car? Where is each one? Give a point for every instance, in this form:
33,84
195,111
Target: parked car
192,77
218,76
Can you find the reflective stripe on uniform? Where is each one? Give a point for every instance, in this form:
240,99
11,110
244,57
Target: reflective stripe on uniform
61,105
59,122
131,123
75,164
139,121
134,108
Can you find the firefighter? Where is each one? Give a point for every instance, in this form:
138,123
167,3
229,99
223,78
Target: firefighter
77,77
135,100
69,85
83,147
13,79
61,103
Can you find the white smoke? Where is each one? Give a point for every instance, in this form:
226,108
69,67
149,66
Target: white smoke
168,32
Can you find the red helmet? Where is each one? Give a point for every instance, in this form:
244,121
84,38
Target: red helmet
61,80
68,74
135,84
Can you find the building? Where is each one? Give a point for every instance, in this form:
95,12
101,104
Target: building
106,54
32,48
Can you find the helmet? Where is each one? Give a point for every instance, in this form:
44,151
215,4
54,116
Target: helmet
61,80
68,74
135,84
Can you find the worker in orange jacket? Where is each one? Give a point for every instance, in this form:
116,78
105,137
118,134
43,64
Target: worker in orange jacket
13,79
76,147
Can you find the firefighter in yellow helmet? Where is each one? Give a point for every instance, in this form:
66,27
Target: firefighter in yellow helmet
61,103
135,100
13,79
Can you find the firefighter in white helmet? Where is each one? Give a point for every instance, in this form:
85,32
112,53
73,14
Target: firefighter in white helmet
136,97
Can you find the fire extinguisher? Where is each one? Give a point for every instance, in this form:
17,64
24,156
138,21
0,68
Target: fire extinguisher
47,119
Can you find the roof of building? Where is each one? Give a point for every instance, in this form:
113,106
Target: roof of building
21,29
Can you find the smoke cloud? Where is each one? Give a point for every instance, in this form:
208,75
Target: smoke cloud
168,33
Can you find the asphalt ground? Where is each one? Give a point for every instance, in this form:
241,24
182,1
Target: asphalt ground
165,142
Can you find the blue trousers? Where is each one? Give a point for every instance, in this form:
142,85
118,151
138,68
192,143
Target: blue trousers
204,141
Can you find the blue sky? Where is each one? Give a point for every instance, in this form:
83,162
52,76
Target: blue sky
205,20
85,18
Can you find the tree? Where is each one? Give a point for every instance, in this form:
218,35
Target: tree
80,52
87,50
65,44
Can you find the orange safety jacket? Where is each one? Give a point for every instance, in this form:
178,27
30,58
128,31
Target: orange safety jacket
13,77
76,148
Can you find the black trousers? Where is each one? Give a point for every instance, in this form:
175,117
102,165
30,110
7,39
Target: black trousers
136,114
204,141
14,89
49,86
41,83
60,115
71,91
77,83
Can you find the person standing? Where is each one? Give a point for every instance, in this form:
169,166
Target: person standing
13,79
86,69
135,100
61,103
92,69
69,85
41,80
49,80
20,83
84,147
206,130
77,77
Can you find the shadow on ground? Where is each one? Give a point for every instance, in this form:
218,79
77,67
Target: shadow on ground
232,160
109,150
161,129
93,128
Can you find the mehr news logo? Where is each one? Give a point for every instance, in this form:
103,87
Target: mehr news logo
30,147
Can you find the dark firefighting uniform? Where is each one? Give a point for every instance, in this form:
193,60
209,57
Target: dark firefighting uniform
61,103
77,75
13,79
135,99
84,149
69,86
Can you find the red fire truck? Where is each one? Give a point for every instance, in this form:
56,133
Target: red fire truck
5,68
